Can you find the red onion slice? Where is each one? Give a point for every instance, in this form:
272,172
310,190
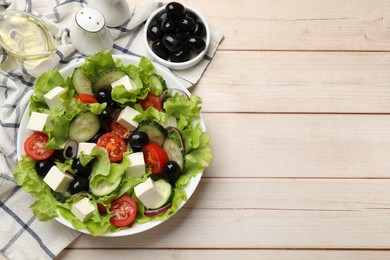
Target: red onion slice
171,130
154,212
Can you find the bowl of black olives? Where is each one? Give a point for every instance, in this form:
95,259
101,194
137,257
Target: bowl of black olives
177,36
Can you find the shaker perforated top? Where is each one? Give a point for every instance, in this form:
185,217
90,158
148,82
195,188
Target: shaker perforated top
90,19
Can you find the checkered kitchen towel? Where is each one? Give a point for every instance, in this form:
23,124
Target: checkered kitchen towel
22,236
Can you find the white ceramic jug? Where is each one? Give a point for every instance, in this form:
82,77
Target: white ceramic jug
89,33
116,12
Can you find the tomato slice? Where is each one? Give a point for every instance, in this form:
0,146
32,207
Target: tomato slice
114,145
125,211
86,98
151,100
35,146
118,128
101,208
155,157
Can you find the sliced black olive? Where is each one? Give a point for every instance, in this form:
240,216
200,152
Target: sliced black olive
172,42
181,56
79,184
154,31
186,24
70,149
199,30
175,9
137,140
191,14
171,172
82,170
160,49
161,16
43,167
168,25
196,44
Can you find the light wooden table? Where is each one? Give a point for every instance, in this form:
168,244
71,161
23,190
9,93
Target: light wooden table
297,101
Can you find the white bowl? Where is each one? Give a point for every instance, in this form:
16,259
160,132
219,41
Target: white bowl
176,65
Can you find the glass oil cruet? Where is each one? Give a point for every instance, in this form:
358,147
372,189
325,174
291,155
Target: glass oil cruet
25,36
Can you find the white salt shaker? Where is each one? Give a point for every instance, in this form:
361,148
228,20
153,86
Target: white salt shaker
88,32
116,12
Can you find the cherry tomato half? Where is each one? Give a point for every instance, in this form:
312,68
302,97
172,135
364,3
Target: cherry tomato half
86,98
155,157
35,146
118,128
125,211
151,100
114,145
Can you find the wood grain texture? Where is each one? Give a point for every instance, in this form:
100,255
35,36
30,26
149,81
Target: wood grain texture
296,82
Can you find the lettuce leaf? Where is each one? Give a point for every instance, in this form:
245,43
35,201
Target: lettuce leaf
45,205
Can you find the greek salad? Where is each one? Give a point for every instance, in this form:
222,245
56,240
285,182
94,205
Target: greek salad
111,145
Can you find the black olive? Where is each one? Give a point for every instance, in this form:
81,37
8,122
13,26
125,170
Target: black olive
186,24
181,56
171,172
172,42
200,29
97,136
154,31
82,170
137,140
168,25
161,16
182,36
175,9
70,149
79,184
191,14
196,44
59,155
107,114
104,95
43,167
160,49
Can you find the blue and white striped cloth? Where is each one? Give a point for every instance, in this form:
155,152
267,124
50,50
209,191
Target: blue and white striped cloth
22,236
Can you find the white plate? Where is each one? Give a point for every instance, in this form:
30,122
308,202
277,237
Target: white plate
172,82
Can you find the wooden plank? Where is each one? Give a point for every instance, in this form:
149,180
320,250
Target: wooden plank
259,214
299,25
224,254
254,228
312,82
299,145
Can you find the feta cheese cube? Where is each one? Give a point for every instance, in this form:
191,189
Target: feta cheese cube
85,148
137,165
38,121
52,97
126,81
83,209
57,180
147,193
126,118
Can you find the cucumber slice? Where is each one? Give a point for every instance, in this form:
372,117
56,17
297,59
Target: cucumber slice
156,84
165,190
84,127
105,78
105,188
81,83
156,132
174,152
